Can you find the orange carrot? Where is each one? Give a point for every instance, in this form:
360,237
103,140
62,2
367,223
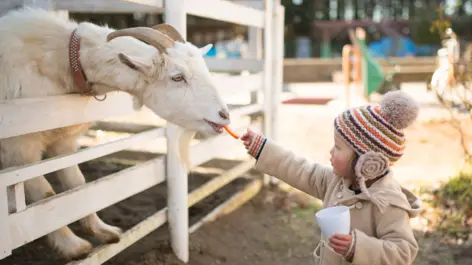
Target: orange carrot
235,136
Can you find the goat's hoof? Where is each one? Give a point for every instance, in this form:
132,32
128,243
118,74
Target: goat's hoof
107,233
76,249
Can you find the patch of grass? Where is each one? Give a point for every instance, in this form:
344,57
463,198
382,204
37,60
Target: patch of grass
452,203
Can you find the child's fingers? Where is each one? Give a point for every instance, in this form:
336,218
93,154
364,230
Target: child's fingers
342,237
339,242
247,143
248,134
338,248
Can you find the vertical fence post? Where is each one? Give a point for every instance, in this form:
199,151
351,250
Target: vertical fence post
255,52
278,66
277,29
177,177
5,242
268,55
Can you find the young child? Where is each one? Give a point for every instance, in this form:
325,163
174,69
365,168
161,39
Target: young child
367,141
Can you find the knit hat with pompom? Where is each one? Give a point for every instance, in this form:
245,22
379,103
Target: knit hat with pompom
378,128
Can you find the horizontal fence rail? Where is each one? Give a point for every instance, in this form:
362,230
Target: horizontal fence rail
55,212
234,65
13,176
22,116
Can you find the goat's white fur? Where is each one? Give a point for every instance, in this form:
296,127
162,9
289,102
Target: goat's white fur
34,63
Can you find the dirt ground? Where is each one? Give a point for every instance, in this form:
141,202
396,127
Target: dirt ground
272,228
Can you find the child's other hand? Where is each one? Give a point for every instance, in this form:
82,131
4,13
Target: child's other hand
340,243
247,138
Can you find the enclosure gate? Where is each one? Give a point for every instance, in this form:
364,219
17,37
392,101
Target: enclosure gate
265,19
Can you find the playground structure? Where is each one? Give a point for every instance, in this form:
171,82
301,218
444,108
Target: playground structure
265,21
359,66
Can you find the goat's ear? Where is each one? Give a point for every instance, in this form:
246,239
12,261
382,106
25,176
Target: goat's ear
204,50
141,64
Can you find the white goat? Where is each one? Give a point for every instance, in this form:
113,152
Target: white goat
155,65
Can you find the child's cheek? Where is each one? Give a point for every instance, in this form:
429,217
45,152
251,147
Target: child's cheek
336,167
339,166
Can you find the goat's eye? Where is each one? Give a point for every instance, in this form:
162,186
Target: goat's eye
178,78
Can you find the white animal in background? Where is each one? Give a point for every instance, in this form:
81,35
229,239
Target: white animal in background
42,54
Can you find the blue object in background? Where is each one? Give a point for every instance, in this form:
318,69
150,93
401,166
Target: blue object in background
385,47
211,52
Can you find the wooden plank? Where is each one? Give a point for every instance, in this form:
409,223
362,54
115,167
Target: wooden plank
16,175
108,6
278,68
231,204
255,50
22,116
234,65
268,73
177,173
226,11
56,211
123,127
16,197
5,242
216,183
106,252
177,189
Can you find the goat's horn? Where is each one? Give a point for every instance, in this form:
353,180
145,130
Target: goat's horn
169,31
148,35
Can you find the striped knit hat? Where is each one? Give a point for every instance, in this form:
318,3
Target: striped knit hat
375,134
379,128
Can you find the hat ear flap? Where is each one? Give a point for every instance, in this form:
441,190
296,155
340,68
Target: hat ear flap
371,165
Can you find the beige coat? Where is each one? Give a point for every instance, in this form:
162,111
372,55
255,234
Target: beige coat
380,238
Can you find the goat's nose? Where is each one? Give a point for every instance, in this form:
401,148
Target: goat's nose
224,114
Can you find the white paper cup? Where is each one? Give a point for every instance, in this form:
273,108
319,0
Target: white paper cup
335,219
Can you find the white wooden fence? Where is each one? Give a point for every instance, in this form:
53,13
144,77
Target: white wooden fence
265,19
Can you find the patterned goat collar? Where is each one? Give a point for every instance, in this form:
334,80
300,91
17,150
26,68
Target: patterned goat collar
78,75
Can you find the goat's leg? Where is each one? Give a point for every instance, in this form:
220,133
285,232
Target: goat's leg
25,150
72,177
63,240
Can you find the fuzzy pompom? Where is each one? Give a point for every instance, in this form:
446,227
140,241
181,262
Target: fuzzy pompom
399,108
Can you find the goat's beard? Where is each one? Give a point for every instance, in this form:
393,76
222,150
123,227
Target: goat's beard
182,145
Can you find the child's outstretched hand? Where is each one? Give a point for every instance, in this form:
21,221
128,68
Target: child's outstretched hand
341,243
248,137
